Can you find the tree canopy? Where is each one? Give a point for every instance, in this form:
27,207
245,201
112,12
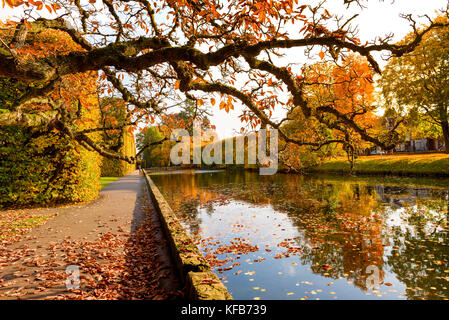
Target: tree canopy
154,52
348,88
418,82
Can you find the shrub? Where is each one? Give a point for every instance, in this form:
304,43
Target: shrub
41,165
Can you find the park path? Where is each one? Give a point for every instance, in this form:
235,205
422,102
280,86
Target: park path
121,207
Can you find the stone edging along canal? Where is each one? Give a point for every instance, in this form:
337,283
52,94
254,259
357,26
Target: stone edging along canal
201,283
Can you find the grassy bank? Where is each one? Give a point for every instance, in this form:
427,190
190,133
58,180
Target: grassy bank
436,164
107,180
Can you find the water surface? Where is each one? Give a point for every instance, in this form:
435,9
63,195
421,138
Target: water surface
317,237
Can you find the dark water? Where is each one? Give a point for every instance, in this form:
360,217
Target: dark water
317,237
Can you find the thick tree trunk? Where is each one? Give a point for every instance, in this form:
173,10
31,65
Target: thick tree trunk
445,127
15,118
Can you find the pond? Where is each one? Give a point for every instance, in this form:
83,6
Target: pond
317,236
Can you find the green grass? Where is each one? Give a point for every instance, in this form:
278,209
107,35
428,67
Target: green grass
107,180
436,164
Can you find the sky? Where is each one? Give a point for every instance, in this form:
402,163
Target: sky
379,18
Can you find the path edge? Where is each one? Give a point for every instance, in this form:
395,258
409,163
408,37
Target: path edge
200,282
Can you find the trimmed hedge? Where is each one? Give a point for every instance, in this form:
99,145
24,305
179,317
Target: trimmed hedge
120,168
38,166
114,111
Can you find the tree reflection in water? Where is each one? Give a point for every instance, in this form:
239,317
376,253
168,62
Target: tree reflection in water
341,227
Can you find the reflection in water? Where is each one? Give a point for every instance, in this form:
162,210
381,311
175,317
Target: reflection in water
308,237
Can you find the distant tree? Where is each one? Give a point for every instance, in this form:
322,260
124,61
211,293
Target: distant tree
347,89
417,83
191,111
154,155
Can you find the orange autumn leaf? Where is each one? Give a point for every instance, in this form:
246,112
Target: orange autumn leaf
10,3
55,6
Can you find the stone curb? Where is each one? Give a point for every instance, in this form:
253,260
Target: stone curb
200,282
